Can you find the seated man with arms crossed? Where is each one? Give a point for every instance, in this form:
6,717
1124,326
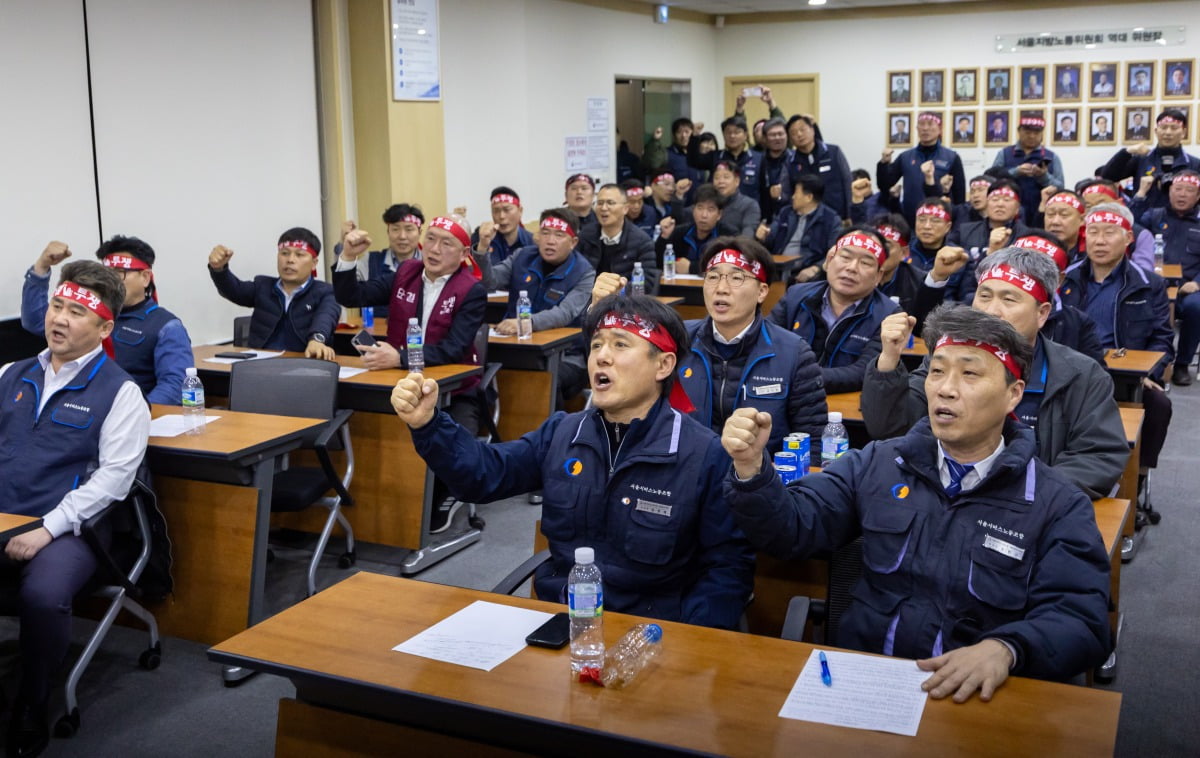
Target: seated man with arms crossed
150,342
73,426
979,560
292,311
633,477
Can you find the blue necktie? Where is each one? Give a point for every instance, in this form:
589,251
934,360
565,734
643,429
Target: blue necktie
957,472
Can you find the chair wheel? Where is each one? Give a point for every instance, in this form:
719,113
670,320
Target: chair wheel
68,725
151,657
347,559
1154,517
476,522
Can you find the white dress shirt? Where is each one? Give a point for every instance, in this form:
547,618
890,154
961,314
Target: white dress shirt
122,444
973,477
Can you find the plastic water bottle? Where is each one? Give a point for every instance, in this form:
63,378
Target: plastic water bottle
668,272
1160,251
638,282
629,656
585,598
368,317
834,440
193,402
524,316
657,232
415,346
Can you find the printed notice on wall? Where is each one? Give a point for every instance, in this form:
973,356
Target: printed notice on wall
416,74
576,154
597,114
597,148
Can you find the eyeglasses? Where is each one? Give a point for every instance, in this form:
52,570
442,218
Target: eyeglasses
736,278
609,203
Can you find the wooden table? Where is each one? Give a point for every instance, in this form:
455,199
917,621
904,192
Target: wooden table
529,379
12,524
392,487
709,692
1172,271
1128,371
214,489
1132,417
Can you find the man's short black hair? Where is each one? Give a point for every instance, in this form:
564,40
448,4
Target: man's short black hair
708,137
773,122
963,322
982,178
612,186
1082,185
680,123
860,173
396,213
939,203
706,193
648,309
896,221
629,184
1176,113
502,190
129,245
812,185
735,121
728,166
747,246
997,172
299,233
562,214
97,277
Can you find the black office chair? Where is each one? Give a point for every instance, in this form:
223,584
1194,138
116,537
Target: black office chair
303,387
521,574
488,390
241,331
845,567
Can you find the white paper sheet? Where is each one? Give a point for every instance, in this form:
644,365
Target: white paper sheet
868,692
688,277
258,356
174,425
345,372
482,636
498,293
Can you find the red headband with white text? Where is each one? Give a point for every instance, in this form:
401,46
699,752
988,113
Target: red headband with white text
872,246
550,222
738,259
1043,245
1005,273
90,300
1001,355
452,226
657,335
129,263
1108,217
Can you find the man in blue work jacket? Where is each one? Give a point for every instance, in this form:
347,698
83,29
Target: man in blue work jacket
632,477
978,559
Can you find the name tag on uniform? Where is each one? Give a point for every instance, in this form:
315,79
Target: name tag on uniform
657,509
1004,548
823,169
767,389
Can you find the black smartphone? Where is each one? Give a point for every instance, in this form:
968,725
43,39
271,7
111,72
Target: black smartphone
239,356
363,339
555,633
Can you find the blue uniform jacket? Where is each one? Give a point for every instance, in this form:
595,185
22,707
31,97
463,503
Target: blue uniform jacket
829,163
907,166
1014,156
1181,237
819,235
1018,558
844,351
778,375
656,515
1125,164
559,298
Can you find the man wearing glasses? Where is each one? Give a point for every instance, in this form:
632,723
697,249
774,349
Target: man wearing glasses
616,243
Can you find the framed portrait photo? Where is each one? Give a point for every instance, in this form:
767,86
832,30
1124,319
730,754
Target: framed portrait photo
1066,126
997,126
899,129
1032,82
933,87
1177,79
1067,82
899,86
1102,82
997,85
1139,80
966,86
1137,124
1102,129
963,128
1187,111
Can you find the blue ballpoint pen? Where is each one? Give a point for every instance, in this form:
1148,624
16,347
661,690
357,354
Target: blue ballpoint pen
826,679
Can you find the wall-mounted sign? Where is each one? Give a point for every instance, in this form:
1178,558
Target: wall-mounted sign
416,74
1091,39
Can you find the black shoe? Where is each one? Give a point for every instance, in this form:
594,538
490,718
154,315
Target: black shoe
439,520
1180,376
28,733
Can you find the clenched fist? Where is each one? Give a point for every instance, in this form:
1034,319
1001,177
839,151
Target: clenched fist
948,262
998,238
414,398
893,338
55,253
744,438
355,244
219,257
607,284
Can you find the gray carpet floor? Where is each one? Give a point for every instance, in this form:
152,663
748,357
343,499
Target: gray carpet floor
183,709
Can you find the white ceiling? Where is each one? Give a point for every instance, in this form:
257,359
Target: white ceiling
730,7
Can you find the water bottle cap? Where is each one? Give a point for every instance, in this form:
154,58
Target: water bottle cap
637,266
652,632
413,321
585,555
524,293
835,417
190,371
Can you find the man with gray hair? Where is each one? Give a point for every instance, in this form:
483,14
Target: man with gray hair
1067,397
979,560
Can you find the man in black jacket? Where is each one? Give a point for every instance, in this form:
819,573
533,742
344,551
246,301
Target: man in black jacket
616,243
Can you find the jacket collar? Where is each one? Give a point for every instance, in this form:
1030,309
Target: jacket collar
1012,478
654,437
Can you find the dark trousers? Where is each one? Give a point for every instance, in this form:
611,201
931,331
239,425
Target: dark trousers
45,588
1187,313
1154,431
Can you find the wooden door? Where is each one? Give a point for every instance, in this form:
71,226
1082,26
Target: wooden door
793,93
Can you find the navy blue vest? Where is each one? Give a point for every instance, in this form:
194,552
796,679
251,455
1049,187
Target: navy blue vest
1031,191
44,456
545,290
914,181
134,340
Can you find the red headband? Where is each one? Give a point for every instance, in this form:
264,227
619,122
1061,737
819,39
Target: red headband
581,178
657,335
893,234
129,263
1004,192
1066,199
503,197
634,192
299,245
936,211
1001,355
452,226
930,117
1168,120
738,259
90,300
661,178
866,243
1102,189
1191,179
550,222
411,219
1035,122
980,183
1005,273
1043,245
1108,217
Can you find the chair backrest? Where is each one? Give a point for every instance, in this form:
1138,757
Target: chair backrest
845,567
241,331
285,387
481,342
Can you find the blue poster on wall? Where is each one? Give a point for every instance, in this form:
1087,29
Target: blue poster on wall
416,71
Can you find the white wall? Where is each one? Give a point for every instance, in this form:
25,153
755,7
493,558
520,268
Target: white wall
852,58
516,75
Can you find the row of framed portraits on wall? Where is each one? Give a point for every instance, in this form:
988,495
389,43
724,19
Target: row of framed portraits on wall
1041,83
1066,126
